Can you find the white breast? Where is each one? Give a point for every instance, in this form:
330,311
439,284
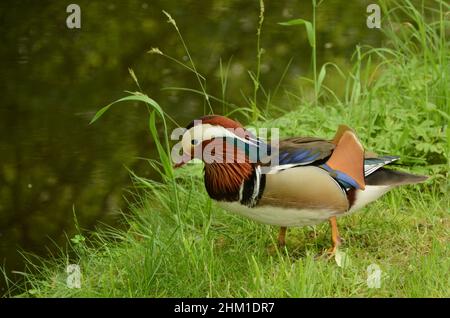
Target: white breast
279,216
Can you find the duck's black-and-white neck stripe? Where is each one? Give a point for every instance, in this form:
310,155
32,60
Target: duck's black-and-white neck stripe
252,189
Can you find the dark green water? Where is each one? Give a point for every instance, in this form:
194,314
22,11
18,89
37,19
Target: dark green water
53,79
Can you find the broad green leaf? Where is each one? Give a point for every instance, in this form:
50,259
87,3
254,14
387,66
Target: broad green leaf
323,73
153,108
308,26
134,97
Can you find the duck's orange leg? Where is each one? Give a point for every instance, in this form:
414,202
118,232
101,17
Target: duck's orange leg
282,236
335,238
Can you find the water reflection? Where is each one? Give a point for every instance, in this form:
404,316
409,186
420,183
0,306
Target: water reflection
53,79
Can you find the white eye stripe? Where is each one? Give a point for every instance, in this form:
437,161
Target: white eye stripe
207,132
199,133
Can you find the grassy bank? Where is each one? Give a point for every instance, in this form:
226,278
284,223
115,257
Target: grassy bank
178,243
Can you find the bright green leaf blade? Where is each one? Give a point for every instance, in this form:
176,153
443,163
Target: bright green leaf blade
163,155
134,97
308,26
100,113
322,74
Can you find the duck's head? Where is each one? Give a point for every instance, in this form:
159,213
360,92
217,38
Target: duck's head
218,139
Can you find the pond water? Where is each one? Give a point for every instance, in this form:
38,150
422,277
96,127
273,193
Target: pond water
53,79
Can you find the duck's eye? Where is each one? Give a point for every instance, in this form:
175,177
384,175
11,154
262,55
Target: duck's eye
194,142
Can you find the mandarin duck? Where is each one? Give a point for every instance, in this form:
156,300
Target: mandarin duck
314,180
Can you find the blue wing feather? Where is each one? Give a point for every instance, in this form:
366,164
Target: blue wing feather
344,179
300,156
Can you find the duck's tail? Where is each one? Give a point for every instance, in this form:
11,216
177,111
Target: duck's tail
384,176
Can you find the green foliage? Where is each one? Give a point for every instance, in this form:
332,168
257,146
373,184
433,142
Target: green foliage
311,33
78,239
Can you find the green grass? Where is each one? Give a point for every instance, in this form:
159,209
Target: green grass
178,243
